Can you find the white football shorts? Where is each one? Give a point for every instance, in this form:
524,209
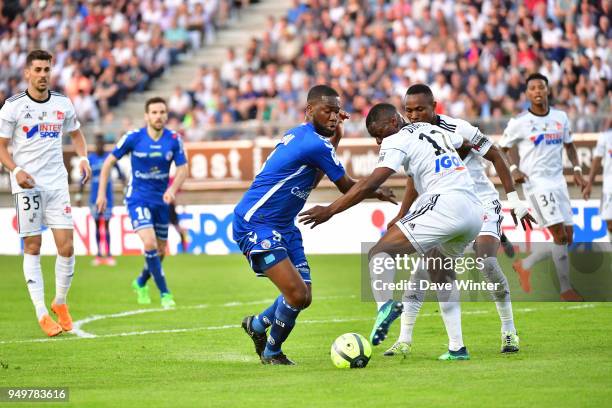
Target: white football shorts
36,209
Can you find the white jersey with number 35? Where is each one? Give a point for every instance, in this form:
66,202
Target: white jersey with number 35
36,129
427,153
540,141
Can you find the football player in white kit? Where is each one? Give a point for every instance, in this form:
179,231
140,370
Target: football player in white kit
603,151
34,122
445,218
419,106
540,134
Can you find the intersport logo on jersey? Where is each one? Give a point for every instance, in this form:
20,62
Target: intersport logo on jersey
50,130
547,138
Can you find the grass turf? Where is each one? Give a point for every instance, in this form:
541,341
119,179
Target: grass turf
565,357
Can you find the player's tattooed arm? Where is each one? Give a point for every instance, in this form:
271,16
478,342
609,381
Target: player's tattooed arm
572,155
410,195
361,190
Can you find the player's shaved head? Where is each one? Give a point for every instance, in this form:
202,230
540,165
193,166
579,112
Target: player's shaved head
383,120
321,93
420,89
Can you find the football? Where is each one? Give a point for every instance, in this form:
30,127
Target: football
351,350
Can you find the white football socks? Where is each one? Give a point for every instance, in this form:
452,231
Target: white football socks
450,308
35,283
382,272
413,301
64,271
561,259
541,252
493,274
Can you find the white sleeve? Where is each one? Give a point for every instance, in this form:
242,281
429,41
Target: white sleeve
7,121
567,131
71,122
511,135
600,148
391,156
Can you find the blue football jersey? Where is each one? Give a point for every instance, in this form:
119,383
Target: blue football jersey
96,163
283,185
150,160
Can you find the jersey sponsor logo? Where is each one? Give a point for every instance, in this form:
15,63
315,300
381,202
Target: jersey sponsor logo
155,154
547,138
448,161
50,130
155,146
140,155
303,194
152,175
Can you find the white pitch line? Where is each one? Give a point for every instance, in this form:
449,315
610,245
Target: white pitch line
80,334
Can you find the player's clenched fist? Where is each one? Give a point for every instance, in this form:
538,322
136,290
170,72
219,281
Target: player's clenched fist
24,179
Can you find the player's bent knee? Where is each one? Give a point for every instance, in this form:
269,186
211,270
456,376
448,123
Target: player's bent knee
298,296
66,250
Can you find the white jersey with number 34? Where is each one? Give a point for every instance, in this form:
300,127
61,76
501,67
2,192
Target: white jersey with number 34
540,141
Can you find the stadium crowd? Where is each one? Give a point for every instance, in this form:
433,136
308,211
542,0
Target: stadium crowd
103,50
474,54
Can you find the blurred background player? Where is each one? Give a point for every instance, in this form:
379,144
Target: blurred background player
540,134
152,150
264,220
176,222
101,220
34,122
603,151
420,106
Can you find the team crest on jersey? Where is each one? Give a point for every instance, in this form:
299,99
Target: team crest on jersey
60,115
169,156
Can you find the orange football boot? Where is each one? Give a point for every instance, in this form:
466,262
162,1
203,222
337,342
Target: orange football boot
49,326
571,295
63,316
523,274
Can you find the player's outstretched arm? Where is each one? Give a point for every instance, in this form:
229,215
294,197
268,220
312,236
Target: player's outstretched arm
80,146
572,155
595,168
410,195
23,178
519,210
179,179
104,175
361,190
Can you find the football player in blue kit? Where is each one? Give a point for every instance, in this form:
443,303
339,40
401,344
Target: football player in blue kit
152,149
264,220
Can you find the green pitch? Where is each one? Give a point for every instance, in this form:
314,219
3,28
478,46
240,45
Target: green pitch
197,354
